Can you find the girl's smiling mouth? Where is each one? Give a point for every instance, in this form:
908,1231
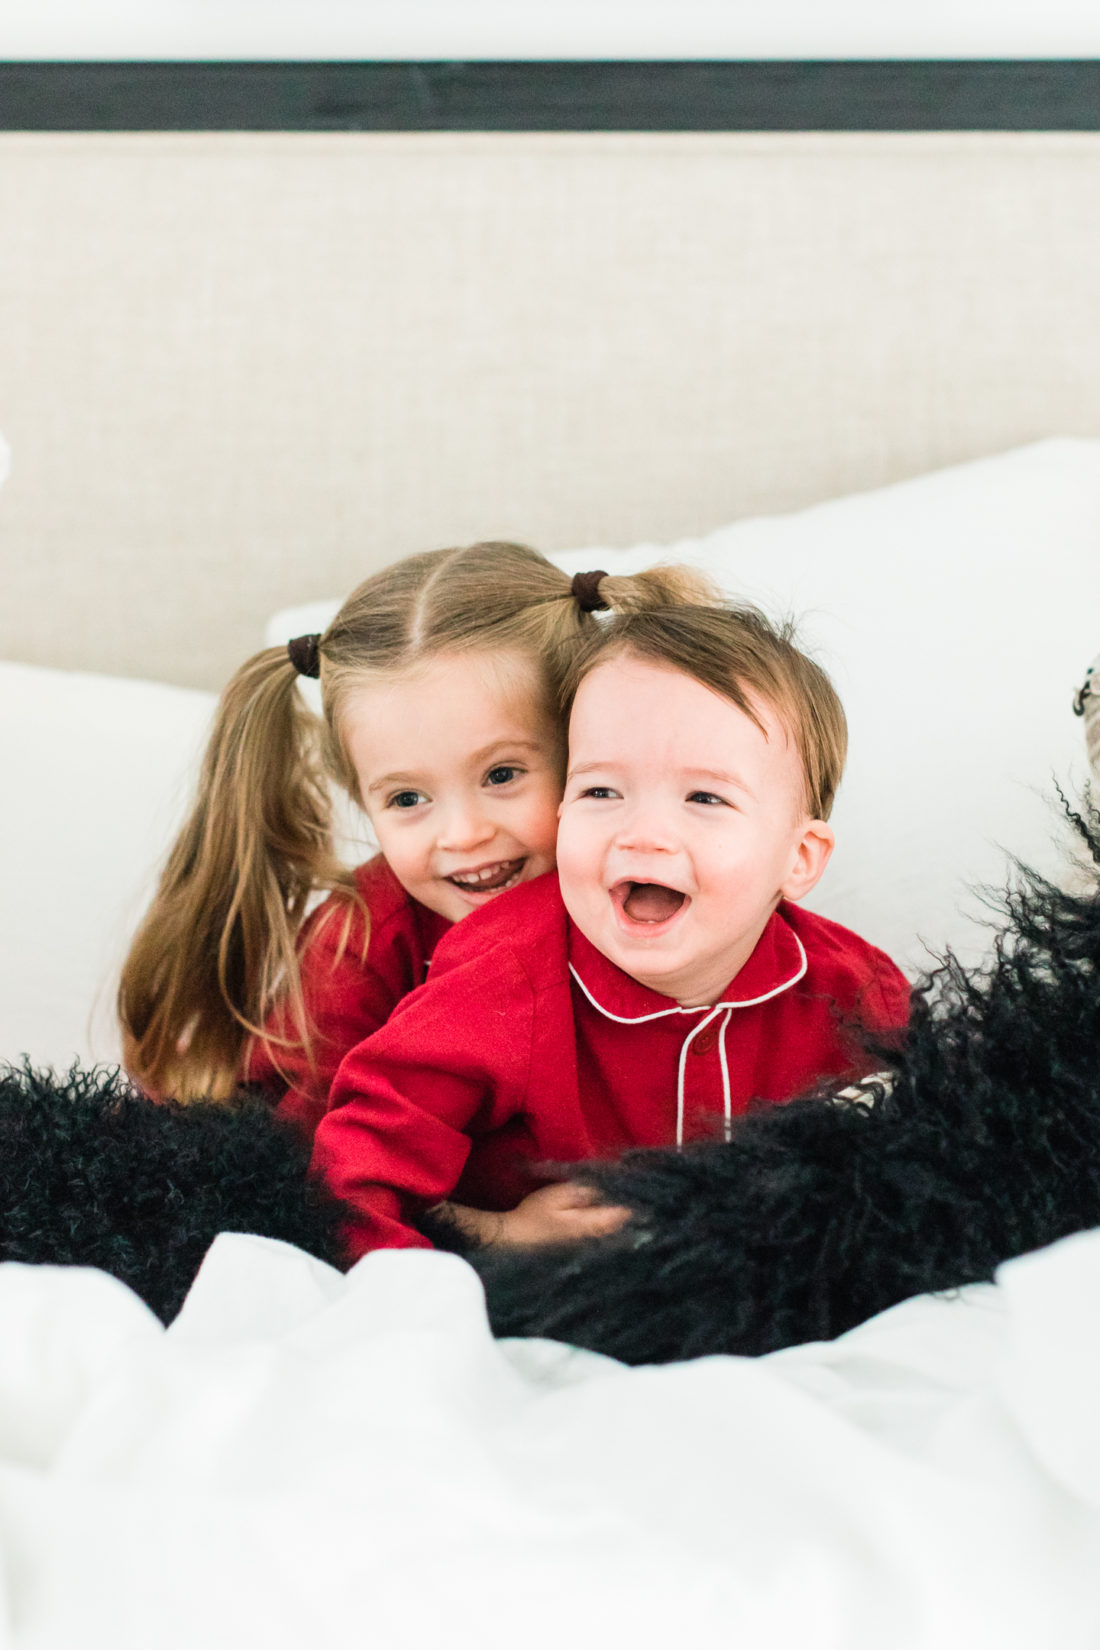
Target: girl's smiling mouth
485,880
647,908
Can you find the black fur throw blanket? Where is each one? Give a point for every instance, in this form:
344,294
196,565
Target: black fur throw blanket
981,1142
94,1174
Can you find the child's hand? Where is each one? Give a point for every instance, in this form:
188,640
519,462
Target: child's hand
554,1214
558,1214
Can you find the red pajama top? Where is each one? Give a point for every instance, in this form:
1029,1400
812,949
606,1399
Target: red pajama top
527,1047
347,995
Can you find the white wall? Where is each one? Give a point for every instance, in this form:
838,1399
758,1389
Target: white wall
547,28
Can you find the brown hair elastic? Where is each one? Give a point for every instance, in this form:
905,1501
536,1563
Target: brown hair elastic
304,653
586,591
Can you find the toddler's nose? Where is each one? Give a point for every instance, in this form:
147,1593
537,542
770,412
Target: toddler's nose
646,833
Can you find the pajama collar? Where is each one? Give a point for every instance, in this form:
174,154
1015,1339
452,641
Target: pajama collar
777,962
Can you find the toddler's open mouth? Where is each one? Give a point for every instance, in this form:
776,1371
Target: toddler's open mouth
484,880
647,905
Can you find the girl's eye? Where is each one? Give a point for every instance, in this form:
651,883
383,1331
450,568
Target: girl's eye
406,799
708,797
502,775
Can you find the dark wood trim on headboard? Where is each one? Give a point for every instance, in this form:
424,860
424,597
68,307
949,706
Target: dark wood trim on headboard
757,96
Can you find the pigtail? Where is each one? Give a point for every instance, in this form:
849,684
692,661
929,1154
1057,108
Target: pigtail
670,585
218,942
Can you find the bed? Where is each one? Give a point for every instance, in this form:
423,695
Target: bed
852,373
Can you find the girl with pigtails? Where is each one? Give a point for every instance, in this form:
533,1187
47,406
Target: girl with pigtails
440,682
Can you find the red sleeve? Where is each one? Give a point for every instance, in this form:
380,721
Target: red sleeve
889,997
347,997
880,1003
859,982
455,1055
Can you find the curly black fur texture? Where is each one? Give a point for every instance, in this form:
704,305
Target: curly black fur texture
94,1174
984,1143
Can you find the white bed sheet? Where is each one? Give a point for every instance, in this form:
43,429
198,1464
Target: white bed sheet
304,1459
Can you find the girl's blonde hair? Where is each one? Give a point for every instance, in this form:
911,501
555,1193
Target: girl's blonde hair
734,649
217,946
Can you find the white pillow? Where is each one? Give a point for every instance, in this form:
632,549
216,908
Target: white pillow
100,773
956,614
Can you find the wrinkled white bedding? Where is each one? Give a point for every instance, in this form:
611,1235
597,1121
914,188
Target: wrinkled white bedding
308,1460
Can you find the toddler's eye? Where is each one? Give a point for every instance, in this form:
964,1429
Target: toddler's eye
503,774
707,797
599,793
406,799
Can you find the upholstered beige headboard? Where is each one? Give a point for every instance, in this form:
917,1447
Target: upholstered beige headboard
242,370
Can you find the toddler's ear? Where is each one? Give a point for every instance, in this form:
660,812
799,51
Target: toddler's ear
810,856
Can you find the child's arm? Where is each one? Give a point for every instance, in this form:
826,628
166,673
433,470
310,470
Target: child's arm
455,1053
